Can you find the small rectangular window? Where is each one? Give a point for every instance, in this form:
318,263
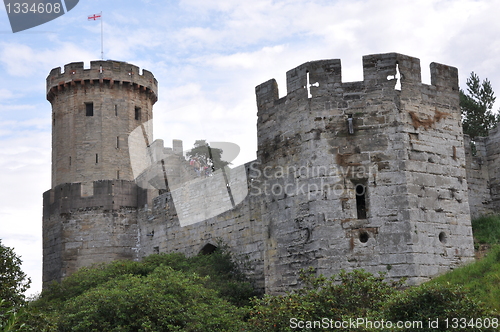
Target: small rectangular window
118,175
89,109
116,110
361,199
117,142
137,113
96,158
70,161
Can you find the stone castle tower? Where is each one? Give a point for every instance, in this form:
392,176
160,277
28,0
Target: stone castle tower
368,174
88,213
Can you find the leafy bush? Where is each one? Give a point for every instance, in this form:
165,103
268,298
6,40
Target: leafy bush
361,295
225,277
435,302
164,292
347,295
13,281
170,292
164,300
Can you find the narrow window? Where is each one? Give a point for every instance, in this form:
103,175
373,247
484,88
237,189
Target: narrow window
116,110
117,142
137,113
89,109
350,126
70,161
118,175
361,200
96,158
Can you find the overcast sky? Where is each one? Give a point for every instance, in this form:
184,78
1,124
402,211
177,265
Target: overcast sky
208,56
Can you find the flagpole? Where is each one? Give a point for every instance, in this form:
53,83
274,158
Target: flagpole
102,40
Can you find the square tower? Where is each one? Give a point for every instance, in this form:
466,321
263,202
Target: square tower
366,174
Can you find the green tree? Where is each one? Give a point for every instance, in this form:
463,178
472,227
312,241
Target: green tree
13,281
476,107
359,294
207,155
439,303
352,295
164,300
163,292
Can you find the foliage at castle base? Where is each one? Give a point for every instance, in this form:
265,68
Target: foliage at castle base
169,292
164,300
360,297
166,292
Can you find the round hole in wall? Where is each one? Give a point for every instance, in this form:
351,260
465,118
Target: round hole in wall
360,189
442,237
363,236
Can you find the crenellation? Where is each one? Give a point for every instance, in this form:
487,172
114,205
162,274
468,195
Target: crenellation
267,93
444,77
373,174
100,72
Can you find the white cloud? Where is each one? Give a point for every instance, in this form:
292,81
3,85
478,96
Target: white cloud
21,60
5,94
25,175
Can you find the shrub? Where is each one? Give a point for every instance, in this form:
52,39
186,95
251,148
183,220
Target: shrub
347,295
164,300
437,303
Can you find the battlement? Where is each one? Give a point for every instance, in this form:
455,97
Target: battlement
102,72
108,194
380,71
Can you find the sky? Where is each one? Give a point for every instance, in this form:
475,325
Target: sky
208,56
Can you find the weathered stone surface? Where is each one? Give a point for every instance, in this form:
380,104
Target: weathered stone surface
347,175
93,147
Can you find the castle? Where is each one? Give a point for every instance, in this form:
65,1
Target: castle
374,174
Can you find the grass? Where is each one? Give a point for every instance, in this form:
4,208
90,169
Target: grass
486,229
481,278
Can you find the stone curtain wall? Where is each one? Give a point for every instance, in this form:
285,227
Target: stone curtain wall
483,174
239,228
493,162
478,178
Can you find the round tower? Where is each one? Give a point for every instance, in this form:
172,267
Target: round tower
90,214
93,112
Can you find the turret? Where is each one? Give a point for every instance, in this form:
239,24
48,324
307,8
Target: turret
90,214
93,112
